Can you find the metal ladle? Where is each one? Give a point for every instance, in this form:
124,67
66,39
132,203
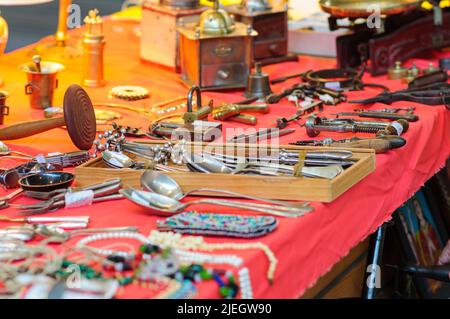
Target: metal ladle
167,206
163,184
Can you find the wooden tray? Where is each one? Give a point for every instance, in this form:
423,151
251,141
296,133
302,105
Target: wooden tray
270,187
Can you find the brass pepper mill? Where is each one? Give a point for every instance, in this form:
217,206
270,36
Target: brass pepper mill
93,47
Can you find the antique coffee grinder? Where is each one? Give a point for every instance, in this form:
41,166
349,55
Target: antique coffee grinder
216,52
159,38
391,31
271,23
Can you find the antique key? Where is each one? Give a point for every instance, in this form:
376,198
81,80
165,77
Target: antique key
282,122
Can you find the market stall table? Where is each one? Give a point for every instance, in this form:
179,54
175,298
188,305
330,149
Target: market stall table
306,247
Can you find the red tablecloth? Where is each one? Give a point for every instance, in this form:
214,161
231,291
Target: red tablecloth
306,247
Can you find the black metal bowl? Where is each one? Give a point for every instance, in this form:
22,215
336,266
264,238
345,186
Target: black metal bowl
45,182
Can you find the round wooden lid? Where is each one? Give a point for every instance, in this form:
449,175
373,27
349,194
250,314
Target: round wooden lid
80,117
365,8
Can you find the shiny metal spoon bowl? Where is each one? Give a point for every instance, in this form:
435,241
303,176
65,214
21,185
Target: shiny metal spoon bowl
165,206
56,234
117,159
163,184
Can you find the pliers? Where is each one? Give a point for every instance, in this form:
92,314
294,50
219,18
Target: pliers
434,94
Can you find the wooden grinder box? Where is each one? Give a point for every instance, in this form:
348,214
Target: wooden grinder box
159,38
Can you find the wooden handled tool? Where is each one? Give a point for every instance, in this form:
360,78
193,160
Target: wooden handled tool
79,117
380,145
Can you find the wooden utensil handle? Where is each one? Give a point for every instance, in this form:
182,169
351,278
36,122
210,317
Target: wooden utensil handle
25,129
379,145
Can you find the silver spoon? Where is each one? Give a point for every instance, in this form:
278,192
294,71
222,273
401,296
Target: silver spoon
117,159
166,206
5,150
165,185
61,235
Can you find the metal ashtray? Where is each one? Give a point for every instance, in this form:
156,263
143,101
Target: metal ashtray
45,182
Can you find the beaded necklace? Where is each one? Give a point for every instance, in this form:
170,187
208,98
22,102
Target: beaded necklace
148,250
172,239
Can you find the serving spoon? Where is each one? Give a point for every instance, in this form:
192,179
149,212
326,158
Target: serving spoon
163,184
167,206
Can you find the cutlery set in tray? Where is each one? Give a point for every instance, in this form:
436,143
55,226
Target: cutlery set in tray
284,172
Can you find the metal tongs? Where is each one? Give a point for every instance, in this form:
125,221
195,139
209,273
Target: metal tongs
105,191
433,94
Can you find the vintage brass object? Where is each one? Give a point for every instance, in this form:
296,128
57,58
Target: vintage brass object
271,23
3,39
64,46
359,9
129,92
431,69
93,47
216,52
61,32
258,84
42,81
397,71
244,119
226,111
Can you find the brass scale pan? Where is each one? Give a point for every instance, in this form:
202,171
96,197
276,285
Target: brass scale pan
359,9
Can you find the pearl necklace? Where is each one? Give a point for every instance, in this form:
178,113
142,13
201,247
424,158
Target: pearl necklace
113,235
171,239
199,258
245,283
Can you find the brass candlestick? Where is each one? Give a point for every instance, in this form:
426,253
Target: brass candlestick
61,32
64,46
93,48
